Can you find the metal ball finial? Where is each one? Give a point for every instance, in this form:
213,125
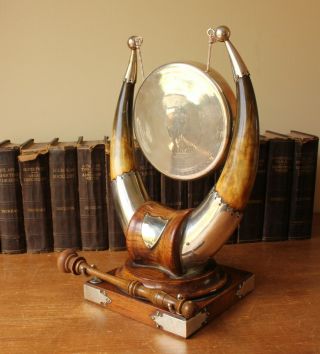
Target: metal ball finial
134,42
222,33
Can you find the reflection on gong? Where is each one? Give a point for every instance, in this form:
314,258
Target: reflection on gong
182,120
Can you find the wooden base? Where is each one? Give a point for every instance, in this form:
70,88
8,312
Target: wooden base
239,283
209,281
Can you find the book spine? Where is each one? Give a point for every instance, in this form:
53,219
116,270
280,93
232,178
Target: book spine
117,241
251,225
92,191
278,190
149,175
12,236
303,188
34,178
198,189
174,193
64,198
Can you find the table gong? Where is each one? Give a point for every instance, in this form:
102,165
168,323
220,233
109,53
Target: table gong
187,122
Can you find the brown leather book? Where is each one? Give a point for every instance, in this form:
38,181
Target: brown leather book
117,241
303,184
149,174
278,187
12,236
92,192
34,179
199,188
174,193
63,175
251,225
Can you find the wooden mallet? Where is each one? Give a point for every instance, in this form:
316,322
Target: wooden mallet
70,262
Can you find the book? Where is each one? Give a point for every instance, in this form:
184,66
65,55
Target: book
149,175
12,236
63,178
92,195
198,189
251,225
303,184
278,187
117,240
174,193
34,179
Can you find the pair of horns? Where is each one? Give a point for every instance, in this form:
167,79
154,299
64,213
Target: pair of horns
205,229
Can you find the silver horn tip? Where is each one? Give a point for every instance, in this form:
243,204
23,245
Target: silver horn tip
134,42
222,33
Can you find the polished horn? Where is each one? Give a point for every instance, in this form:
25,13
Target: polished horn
210,225
183,241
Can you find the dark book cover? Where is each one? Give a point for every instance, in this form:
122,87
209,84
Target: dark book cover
278,187
150,175
198,189
34,179
63,178
251,225
174,193
92,192
117,241
303,184
12,236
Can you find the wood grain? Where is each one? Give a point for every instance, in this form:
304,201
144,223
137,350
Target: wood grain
166,252
193,286
70,262
43,311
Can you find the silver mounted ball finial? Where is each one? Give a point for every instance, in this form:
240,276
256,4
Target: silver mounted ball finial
222,33
134,42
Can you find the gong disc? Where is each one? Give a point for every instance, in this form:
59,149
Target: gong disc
182,120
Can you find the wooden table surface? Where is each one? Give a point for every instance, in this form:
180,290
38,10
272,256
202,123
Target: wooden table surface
43,311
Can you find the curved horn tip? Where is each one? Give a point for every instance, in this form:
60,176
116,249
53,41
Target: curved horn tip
222,33
134,42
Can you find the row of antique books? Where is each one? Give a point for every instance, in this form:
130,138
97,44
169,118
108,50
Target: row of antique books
57,195
281,203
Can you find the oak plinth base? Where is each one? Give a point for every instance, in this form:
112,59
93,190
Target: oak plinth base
238,284
211,279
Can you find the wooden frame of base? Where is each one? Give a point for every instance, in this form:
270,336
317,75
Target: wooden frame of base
240,283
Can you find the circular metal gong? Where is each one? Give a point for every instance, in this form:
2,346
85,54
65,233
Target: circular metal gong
182,120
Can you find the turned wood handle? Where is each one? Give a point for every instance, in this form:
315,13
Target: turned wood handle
70,262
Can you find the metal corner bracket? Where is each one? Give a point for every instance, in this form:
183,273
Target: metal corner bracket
97,296
179,325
